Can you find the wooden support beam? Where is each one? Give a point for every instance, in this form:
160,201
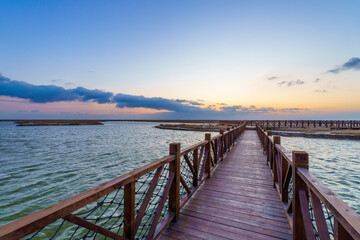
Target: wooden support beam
208,149
147,197
129,210
161,204
183,182
276,163
304,207
174,194
196,166
300,160
92,227
187,160
319,217
222,145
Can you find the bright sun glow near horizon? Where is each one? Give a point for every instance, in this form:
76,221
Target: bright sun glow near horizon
180,60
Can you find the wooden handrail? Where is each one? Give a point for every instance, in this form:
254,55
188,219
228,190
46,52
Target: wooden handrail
345,215
192,147
285,167
284,153
44,217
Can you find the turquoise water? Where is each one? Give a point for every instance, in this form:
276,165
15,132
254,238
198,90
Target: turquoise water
335,162
40,166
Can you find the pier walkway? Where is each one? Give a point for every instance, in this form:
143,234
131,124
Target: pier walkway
237,202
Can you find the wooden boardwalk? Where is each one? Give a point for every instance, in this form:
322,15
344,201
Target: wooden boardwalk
237,202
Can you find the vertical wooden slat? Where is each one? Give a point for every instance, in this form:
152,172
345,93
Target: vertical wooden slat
208,149
228,140
129,210
222,145
196,166
268,157
216,152
174,194
276,164
300,160
218,149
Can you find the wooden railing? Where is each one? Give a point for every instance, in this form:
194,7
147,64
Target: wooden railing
139,204
312,209
305,123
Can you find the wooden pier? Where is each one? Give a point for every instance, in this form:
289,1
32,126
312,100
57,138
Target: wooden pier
237,202
239,184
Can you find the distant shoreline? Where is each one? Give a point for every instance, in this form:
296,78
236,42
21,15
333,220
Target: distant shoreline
326,135
205,126
67,122
28,123
198,128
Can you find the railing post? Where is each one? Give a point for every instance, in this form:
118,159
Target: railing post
208,160
216,148
232,136
268,146
129,210
228,139
276,140
196,166
222,145
174,194
300,160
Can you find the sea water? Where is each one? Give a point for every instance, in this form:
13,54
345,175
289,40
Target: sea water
335,162
42,165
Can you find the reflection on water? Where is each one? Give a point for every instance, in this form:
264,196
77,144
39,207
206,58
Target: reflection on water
335,162
40,166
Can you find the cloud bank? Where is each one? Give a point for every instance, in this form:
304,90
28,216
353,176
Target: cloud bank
353,63
176,108
50,93
158,103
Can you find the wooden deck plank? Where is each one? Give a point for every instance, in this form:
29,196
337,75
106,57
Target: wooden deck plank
237,202
225,230
238,215
191,233
244,225
238,210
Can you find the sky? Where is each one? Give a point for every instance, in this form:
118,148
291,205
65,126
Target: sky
180,59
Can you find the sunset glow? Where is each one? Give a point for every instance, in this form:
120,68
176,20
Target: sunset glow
179,60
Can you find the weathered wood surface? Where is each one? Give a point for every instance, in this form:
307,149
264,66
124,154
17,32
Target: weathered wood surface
237,202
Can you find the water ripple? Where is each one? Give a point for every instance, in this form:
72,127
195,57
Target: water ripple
335,162
40,166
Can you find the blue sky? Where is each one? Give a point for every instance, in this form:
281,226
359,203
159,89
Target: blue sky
214,51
